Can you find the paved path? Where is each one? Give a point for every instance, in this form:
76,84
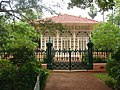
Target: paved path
74,81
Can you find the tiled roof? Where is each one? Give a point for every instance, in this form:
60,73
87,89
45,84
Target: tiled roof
65,18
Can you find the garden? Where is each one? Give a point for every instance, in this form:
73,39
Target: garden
20,70
19,38
106,36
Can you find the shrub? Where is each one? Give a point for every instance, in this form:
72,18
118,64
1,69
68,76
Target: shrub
110,82
106,78
22,55
110,63
113,68
43,78
98,60
7,75
27,76
21,78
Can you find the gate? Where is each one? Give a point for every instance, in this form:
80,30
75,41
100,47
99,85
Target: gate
70,60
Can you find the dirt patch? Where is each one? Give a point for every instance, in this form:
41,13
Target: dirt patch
74,81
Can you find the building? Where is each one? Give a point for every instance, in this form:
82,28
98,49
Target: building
76,36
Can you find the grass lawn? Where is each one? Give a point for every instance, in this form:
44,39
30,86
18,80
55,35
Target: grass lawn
102,76
106,78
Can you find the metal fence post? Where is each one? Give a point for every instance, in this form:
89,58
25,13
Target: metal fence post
90,54
69,51
49,54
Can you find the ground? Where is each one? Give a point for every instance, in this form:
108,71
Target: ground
74,81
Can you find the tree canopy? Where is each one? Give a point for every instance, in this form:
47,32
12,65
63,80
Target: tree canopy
106,36
27,9
102,4
95,6
17,35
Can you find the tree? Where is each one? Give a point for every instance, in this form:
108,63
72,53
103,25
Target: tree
102,4
27,9
22,35
4,33
93,11
106,36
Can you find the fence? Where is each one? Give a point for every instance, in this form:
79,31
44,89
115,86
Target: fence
5,55
37,85
101,55
40,55
76,55
98,55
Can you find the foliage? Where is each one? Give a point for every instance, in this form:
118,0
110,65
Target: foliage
106,78
113,68
116,55
22,55
27,76
43,78
106,36
7,75
109,65
21,35
102,4
110,82
21,78
4,33
21,72
47,26
98,60
93,11
27,10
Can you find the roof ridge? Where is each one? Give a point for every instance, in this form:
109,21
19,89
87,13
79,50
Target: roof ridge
67,18
80,17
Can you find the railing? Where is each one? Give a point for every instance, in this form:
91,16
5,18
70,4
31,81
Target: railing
101,55
39,54
58,54
63,55
5,55
37,85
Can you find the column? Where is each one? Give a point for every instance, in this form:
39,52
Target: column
45,43
78,43
61,43
86,41
57,40
41,41
82,43
70,42
53,41
74,39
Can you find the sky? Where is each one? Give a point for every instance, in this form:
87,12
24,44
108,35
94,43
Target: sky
75,11
60,6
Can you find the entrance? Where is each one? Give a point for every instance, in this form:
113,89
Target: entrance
70,60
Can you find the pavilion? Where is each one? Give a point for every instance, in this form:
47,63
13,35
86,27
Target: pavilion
76,36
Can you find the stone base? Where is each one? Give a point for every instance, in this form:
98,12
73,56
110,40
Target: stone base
44,66
99,67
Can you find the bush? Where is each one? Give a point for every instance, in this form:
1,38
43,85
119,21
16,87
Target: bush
21,78
27,76
22,55
7,75
113,68
98,60
106,78
43,78
110,82
110,63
